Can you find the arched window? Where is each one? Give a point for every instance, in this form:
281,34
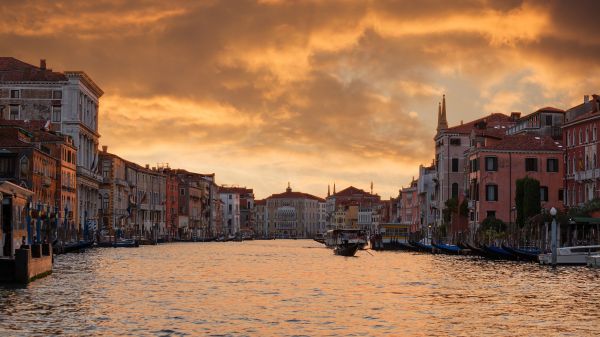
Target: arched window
455,190
594,134
587,135
568,138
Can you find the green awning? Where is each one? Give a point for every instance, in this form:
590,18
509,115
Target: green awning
591,221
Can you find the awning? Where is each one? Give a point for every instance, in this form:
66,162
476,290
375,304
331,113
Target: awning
591,221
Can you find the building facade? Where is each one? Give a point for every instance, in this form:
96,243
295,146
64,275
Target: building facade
293,214
70,102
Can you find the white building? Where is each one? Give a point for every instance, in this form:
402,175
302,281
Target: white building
69,101
294,214
231,210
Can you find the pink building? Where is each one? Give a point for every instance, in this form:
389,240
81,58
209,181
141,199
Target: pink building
496,163
409,207
580,136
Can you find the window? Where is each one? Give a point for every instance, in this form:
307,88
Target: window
552,165
491,163
454,164
455,141
491,192
580,137
548,120
230,208
587,135
182,191
105,203
230,197
568,138
56,112
491,214
561,194
474,165
455,190
531,164
544,193
15,94
14,112
57,94
594,134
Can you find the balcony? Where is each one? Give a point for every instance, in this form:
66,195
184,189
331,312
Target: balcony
82,171
587,175
46,181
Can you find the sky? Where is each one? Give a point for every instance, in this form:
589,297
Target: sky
263,93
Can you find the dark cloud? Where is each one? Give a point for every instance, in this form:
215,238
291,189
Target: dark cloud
358,80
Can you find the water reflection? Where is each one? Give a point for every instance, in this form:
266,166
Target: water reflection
294,288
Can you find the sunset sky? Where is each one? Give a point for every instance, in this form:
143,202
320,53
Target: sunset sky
310,92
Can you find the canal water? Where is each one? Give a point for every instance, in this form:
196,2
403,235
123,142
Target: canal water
298,288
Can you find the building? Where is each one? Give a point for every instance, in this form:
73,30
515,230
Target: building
409,207
132,198
293,214
580,137
497,163
426,197
451,144
344,202
30,165
69,101
14,228
543,122
230,196
261,219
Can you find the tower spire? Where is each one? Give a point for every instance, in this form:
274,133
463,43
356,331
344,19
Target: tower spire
328,190
334,187
443,121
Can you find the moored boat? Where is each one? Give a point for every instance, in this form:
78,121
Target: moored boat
524,253
335,237
346,249
570,255
447,249
497,253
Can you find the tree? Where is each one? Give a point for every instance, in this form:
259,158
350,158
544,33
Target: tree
527,199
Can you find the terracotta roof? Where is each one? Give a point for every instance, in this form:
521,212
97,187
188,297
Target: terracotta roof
235,190
495,119
9,137
295,195
351,191
260,202
13,70
550,109
525,142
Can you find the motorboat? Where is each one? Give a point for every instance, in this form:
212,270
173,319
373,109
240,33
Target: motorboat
570,255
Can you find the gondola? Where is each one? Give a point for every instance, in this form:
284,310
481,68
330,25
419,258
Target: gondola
498,253
346,249
524,253
75,247
476,250
447,249
422,247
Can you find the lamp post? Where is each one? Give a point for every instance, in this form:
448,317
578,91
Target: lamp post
553,243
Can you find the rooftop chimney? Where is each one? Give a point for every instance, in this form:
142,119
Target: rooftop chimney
43,64
586,99
515,115
147,166
104,148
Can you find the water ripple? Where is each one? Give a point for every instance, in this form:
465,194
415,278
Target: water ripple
296,288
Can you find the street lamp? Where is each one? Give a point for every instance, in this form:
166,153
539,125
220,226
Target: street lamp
553,244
